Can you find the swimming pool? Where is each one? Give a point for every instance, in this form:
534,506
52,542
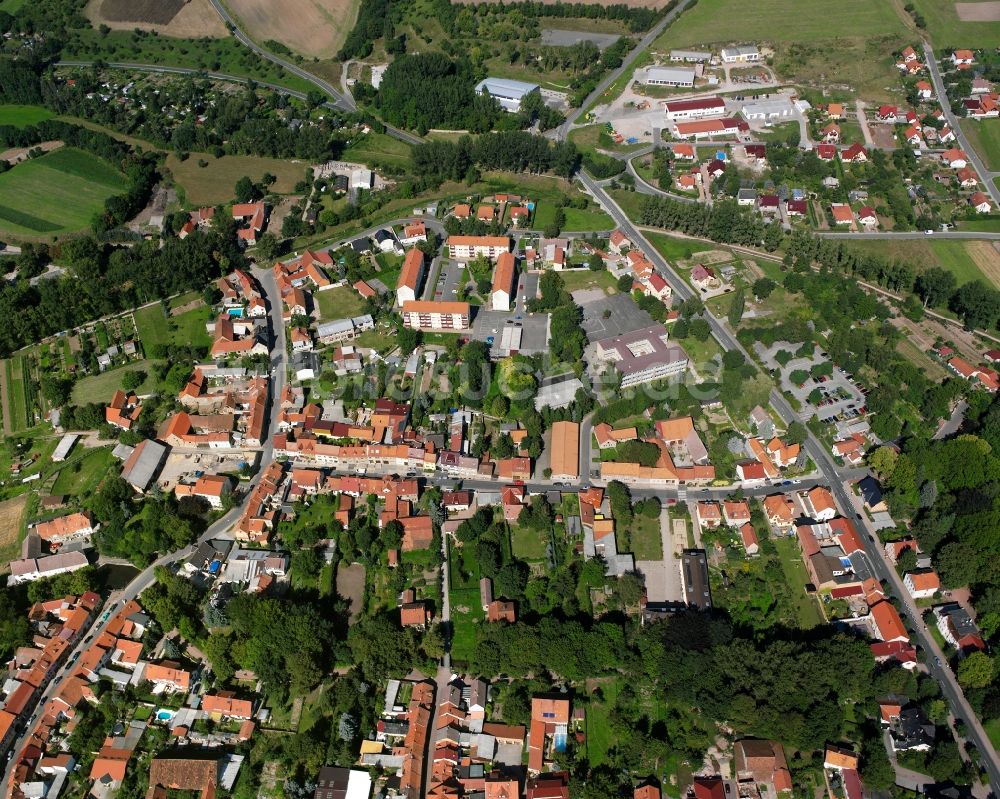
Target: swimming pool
164,715
559,741
235,311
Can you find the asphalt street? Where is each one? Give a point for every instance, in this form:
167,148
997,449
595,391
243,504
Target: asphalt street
218,529
954,124
834,478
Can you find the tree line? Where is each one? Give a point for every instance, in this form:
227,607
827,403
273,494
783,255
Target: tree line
102,279
515,151
977,304
140,170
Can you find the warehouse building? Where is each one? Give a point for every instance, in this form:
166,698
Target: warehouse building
509,93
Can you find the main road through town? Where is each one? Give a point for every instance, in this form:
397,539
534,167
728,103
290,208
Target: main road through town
836,480
218,529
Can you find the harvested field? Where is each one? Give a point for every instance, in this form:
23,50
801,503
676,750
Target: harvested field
351,586
11,512
180,18
986,255
311,27
978,12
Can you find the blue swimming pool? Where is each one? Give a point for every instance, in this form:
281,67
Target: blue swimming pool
164,715
559,741
235,311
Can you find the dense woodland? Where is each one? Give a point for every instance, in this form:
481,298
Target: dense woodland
103,279
514,151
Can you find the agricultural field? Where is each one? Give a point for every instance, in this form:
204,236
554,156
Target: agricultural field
155,328
310,27
213,183
23,408
55,193
946,24
20,116
378,148
968,260
723,21
338,303
100,387
984,135
11,516
181,18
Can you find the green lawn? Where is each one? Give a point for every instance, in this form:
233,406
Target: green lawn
156,328
527,544
629,201
213,183
591,219
80,475
378,148
338,303
724,21
647,543
593,137
797,577
586,279
466,605
992,727
984,135
20,116
599,736
675,249
57,192
700,352
948,30
99,388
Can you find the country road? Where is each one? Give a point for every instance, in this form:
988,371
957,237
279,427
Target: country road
563,130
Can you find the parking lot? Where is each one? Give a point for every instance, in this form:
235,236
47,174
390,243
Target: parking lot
840,397
488,326
605,316
449,281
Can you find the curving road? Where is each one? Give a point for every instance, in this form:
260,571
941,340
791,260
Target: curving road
342,100
563,130
346,102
